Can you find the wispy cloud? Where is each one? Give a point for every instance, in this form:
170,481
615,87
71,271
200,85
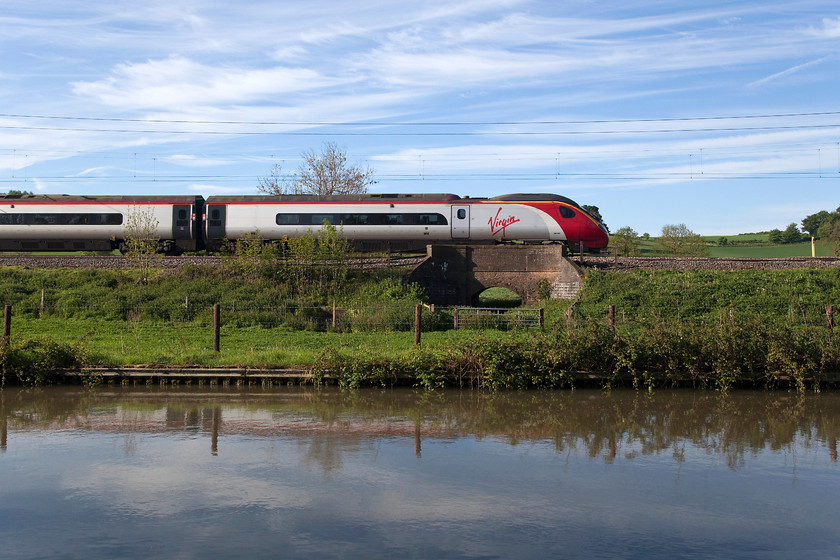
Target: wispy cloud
787,72
178,82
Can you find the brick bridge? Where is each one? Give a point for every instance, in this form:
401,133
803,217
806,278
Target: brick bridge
456,274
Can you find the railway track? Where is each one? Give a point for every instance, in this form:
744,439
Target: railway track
120,262
600,262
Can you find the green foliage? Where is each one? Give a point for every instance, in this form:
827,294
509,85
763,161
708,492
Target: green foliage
791,234
595,212
716,329
626,242
678,240
812,223
31,362
318,261
502,297
141,240
253,257
14,193
704,295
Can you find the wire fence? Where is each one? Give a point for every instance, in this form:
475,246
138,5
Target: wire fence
401,316
794,314
373,317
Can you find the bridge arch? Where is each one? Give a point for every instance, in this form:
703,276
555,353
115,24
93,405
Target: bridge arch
456,274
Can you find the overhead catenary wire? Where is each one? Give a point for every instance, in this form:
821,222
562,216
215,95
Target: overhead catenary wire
377,126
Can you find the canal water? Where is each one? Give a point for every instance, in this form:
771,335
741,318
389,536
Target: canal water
223,472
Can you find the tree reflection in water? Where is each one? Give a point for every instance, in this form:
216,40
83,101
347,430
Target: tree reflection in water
328,422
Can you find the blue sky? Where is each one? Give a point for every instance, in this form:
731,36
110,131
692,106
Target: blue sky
723,116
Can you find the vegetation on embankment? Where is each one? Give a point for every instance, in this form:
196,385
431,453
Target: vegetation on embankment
700,328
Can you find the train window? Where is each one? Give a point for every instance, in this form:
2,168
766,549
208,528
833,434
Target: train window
215,214
355,219
287,219
182,214
61,219
373,219
566,212
431,219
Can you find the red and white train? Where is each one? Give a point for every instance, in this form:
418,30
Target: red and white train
372,221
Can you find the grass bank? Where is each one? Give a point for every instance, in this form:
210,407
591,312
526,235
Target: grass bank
700,328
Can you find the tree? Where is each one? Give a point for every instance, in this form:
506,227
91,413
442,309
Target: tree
829,230
141,240
626,241
812,223
322,173
16,193
678,240
791,234
595,212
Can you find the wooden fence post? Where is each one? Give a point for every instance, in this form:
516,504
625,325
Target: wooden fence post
216,321
418,311
455,318
542,317
829,317
7,325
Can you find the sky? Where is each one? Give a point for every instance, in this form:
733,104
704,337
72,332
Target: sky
724,116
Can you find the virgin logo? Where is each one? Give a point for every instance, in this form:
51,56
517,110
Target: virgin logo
500,225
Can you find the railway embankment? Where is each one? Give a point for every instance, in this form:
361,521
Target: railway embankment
637,326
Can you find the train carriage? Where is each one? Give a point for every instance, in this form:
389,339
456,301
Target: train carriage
405,220
95,223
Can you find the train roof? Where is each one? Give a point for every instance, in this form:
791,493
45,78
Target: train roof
116,199
535,197
369,197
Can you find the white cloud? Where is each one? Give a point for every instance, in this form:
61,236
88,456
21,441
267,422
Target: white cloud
172,489
830,29
179,82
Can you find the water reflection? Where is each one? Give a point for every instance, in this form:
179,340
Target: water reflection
205,473
601,425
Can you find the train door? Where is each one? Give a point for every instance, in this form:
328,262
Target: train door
460,222
215,221
182,221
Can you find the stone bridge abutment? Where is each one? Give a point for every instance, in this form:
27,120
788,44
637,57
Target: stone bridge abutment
456,274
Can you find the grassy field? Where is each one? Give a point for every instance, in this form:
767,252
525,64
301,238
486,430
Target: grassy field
712,328
104,342
749,245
